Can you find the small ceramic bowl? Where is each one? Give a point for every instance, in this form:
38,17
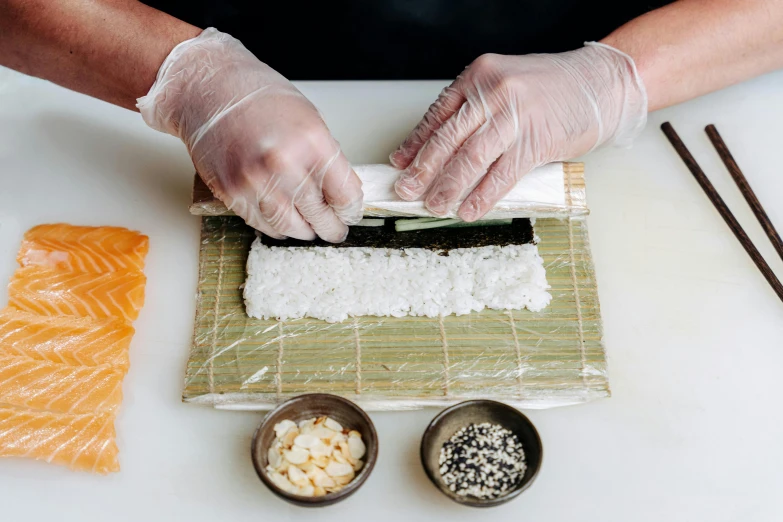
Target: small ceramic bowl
306,407
451,420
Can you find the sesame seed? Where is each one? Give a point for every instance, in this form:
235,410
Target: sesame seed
483,461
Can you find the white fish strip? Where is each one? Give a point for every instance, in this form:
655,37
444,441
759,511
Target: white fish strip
539,192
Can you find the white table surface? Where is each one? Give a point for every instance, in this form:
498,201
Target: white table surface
694,334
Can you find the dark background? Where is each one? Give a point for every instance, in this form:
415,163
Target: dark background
402,39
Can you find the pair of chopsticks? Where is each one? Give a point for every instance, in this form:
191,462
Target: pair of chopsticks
720,205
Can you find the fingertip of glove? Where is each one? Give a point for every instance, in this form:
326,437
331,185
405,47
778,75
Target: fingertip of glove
351,214
304,235
398,159
260,234
342,237
409,189
337,236
352,220
469,212
437,207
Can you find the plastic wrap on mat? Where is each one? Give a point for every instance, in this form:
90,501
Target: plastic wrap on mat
534,360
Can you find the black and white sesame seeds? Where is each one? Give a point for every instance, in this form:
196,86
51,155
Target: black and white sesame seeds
483,461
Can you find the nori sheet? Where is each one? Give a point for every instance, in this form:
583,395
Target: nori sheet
519,232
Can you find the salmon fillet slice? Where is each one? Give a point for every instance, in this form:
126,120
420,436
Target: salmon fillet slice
44,291
82,442
43,385
77,341
83,249
64,343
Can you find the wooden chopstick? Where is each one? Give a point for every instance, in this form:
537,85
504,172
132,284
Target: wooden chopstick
721,207
744,187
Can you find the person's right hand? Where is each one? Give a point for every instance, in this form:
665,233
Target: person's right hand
256,141
506,115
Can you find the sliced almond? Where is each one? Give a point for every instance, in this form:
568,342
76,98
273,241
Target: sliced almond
346,453
296,455
273,457
356,447
333,425
319,449
321,462
306,440
337,439
315,457
307,466
320,478
297,477
283,483
290,437
306,491
338,469
306,426
283,465
325,434
343,480
338,457
282,427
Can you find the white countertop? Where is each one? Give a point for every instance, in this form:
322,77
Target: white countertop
693,332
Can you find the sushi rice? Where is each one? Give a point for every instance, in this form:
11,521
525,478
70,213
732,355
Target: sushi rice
336,283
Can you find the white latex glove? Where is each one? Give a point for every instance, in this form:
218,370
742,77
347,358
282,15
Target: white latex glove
256,141
505,115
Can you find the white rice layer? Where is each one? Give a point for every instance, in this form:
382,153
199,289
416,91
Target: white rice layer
336,283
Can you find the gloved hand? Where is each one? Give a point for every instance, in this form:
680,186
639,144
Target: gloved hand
505,115
256,141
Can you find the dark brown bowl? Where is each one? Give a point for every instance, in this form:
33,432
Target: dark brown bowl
451,420
306,407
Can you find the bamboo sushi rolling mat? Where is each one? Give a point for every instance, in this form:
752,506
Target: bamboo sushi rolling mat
535,360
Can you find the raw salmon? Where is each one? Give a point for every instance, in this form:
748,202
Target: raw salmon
44,385
83,249
82,442
78,341
64,343
44,291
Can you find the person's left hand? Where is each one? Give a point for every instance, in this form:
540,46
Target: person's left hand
255,140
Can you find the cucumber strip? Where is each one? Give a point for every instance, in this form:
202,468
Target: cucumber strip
409,225
404,225
370,222
419,220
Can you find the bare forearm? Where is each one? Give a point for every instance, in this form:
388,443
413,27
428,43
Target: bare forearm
109,49
693,47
